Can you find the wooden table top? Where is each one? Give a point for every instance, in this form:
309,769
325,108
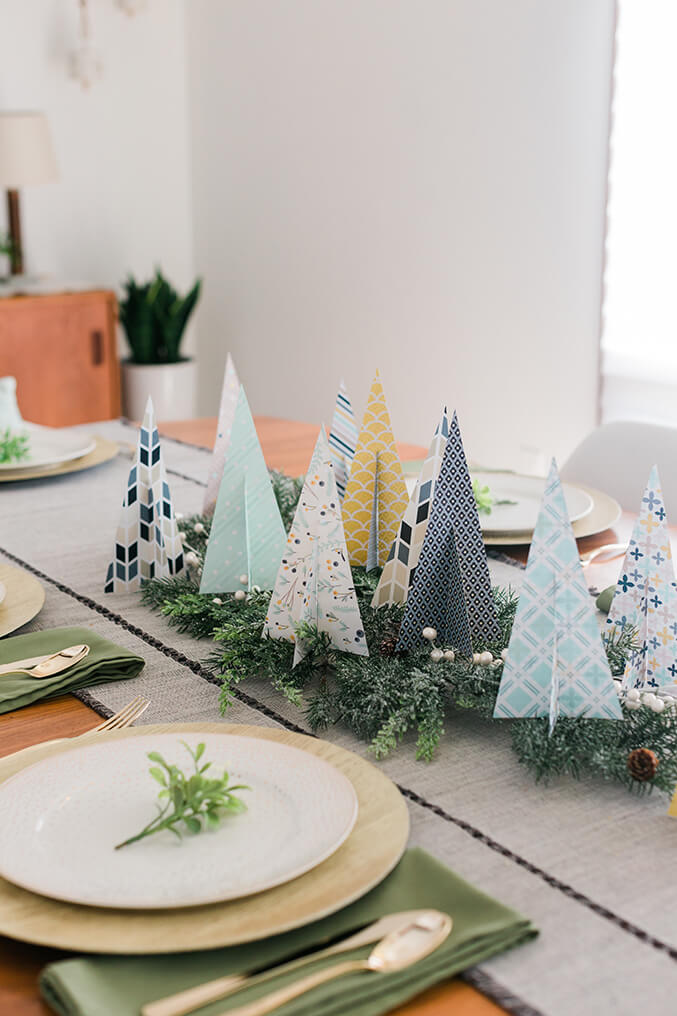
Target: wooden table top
287,445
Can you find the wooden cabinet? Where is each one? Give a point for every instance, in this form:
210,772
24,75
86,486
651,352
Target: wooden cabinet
62,350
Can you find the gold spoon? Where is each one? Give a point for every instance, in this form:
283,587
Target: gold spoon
51,665
213,991
396,951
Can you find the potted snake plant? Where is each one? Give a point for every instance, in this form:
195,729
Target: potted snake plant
154,319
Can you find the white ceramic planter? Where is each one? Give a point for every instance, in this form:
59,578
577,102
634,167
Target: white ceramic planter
170,385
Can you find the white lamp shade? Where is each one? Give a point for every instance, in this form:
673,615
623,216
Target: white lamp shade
26,153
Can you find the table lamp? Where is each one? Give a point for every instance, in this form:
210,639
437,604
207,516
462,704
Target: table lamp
26,157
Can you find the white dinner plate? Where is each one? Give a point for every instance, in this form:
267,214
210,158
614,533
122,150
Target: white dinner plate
63,816
527,493
50,446
3,591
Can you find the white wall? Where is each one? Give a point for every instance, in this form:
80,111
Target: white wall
414,184
123,199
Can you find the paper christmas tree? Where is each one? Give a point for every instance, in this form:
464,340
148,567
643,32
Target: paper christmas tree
376,494
646,595
229,394
314,582
147,544
342,439
247,536
451,591
556,663
400,568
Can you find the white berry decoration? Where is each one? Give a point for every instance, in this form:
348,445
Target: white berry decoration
476,657
192,559
182,537
486,658
648,699
632,695
244,579
658,706
449,655
199,528
240,594
436,655
217,600
430,634
633,704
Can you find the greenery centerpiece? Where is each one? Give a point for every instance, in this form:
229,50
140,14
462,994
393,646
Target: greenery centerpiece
154,318
388,695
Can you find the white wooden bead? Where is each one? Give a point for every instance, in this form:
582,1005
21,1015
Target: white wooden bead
486,658
429,633
240,594
449,655
436,655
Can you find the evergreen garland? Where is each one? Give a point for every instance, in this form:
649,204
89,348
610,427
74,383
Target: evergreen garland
388,695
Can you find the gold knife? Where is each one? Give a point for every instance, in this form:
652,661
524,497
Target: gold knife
71,653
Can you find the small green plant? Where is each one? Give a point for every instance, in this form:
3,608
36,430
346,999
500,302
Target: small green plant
193,800
484,499
13,447
154,318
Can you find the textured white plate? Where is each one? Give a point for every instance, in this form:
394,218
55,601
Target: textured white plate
527,492
3,591
62,817
50,446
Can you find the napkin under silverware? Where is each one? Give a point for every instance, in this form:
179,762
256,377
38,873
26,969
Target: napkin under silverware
101,985
105,662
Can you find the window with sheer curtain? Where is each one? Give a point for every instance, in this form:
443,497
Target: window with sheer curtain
639,339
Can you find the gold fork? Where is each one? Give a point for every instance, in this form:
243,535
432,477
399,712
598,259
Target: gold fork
123,718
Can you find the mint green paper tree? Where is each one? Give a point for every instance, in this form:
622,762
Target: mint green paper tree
247,537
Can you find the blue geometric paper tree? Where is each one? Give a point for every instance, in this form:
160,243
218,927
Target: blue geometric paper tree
147,544
646,595
451,591
556,663
342,439
247,536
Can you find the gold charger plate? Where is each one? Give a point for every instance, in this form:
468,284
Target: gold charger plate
104,451
23,600
605,514
369,854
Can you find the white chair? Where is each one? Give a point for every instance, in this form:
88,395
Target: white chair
617,458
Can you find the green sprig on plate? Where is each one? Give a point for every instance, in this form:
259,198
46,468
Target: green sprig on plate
192,801
13,447
484,499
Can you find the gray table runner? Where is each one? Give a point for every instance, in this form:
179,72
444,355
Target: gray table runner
589,863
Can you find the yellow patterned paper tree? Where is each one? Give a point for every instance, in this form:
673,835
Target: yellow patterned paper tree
376,495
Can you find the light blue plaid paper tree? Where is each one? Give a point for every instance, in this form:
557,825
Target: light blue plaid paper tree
247,535
314,581
646,595
556,663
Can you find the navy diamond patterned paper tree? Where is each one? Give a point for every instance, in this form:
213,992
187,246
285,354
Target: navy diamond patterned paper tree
147,544
451,591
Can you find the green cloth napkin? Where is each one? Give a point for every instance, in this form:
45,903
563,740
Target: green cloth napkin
104,662
603,601
101,985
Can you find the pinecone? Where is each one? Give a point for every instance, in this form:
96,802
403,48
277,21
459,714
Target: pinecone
388,646
642,764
